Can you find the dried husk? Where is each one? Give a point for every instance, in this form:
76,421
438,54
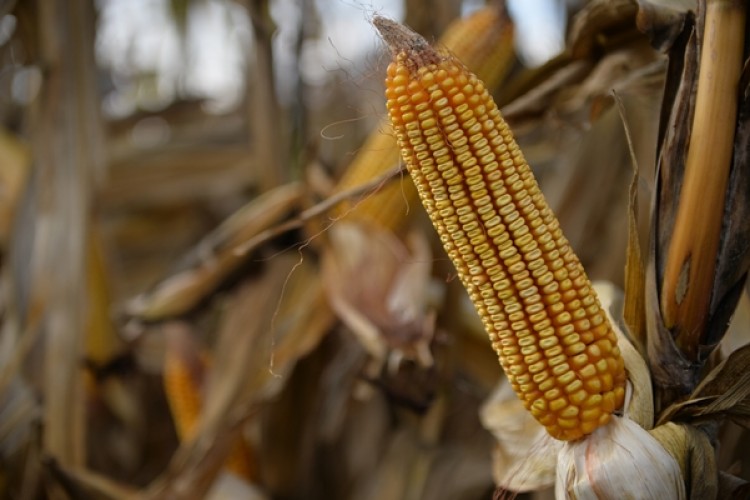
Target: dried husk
525,455
693,452
619,460
391,315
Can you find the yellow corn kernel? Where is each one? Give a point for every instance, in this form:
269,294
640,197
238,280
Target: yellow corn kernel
522,275
484,41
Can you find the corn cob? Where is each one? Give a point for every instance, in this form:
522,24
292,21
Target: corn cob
554,341
484,41
184,372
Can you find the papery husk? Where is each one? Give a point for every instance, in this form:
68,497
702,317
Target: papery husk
525,455
390,315
604,464
639,403
619,460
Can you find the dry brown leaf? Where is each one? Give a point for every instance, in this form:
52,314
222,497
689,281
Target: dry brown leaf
662,23
634,307
597,21
695,456
214,259
675,374
725,391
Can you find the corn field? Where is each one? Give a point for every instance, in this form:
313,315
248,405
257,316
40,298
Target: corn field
277,249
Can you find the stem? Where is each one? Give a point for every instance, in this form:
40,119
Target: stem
691,258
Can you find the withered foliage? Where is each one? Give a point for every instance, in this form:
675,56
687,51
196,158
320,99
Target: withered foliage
184,322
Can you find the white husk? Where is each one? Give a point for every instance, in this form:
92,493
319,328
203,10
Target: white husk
639,399
525,455
620,460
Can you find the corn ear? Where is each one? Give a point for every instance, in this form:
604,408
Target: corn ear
183,376
554,341
484,40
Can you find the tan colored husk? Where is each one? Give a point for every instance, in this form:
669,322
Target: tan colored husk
391,315
639,398
692,450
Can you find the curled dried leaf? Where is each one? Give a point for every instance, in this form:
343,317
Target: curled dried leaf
692,450
725,391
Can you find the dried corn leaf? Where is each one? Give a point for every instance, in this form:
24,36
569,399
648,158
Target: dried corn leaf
734,248
663,23
695,456
634,309
215,258
598,22
725,391
671,372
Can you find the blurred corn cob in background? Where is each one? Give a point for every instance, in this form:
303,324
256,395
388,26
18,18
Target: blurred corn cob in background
185,372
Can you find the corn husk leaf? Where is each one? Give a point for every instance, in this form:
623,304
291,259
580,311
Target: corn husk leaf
605,464
525,456
391,314
598,20
639,404
634,307
662,23
671,372
258,344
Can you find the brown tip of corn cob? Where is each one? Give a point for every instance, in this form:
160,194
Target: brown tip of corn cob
553,339
399,38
